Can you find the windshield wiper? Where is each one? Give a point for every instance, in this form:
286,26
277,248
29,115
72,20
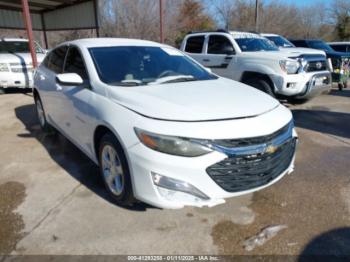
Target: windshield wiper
173,79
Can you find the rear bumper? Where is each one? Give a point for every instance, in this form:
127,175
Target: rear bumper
17,80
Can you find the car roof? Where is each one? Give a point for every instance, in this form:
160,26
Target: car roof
338,43
240,34
8,39
105,42
268,34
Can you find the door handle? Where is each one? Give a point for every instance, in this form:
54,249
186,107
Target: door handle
206,60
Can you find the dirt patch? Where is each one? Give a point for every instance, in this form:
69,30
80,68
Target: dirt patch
12,194
310,202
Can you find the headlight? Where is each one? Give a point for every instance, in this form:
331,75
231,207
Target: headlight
4,67
172,145
289,66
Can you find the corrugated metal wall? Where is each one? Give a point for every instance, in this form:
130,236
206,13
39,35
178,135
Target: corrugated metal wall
14,19
77,16
72,17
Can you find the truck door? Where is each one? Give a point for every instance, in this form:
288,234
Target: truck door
220,52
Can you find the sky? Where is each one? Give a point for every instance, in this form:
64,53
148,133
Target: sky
303,2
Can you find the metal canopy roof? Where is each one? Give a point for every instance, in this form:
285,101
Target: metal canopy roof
48,15
38,6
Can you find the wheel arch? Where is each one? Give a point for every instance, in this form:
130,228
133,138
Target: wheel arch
250,74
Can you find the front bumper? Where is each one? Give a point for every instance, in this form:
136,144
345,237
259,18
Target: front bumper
144,161
17,80
303,85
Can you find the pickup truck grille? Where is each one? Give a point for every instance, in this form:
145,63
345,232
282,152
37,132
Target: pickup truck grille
248,171
314,66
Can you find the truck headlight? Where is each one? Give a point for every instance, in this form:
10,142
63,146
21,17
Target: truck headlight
172,145
289,66
4,67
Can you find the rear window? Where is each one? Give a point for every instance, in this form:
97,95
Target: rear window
195,44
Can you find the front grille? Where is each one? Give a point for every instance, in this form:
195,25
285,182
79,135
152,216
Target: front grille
314,66
244,172
229,143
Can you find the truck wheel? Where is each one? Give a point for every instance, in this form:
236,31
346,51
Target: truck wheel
114,170
260,84
2,91
340,86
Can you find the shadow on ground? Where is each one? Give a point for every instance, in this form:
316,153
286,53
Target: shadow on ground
320,120
344,93
333,245
68,156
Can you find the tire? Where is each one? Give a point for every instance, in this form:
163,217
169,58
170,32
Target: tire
340,86
114,171
40,112
260,84
2,91
345,84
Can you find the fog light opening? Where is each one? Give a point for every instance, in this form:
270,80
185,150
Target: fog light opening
176,185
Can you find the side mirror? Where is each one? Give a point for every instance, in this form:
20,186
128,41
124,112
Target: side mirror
69,79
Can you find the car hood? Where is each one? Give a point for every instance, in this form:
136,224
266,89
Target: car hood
20,58
194,101
301,51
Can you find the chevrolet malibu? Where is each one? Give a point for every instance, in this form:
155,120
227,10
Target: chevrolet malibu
163,129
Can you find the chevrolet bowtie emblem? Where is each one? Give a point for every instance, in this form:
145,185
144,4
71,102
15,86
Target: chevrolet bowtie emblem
271,149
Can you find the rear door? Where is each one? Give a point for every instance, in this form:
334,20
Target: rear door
195,47
49,90
219,53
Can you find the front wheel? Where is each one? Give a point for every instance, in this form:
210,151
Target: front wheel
115,171
260,84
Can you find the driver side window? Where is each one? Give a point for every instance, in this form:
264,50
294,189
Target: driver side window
219,44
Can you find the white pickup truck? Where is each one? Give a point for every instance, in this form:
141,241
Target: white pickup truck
16,69
254,60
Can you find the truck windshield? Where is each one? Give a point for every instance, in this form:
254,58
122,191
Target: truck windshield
280,41
318,44
255,44
17,47
14,47
142,65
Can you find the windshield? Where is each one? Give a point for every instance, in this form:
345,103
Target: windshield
17,47
255,44
280,41
320,45
139,65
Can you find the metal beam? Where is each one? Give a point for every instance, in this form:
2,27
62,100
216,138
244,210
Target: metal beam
28,25
96,11
34,4
44,30
161,21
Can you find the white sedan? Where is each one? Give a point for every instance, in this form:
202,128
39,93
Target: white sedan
162,128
